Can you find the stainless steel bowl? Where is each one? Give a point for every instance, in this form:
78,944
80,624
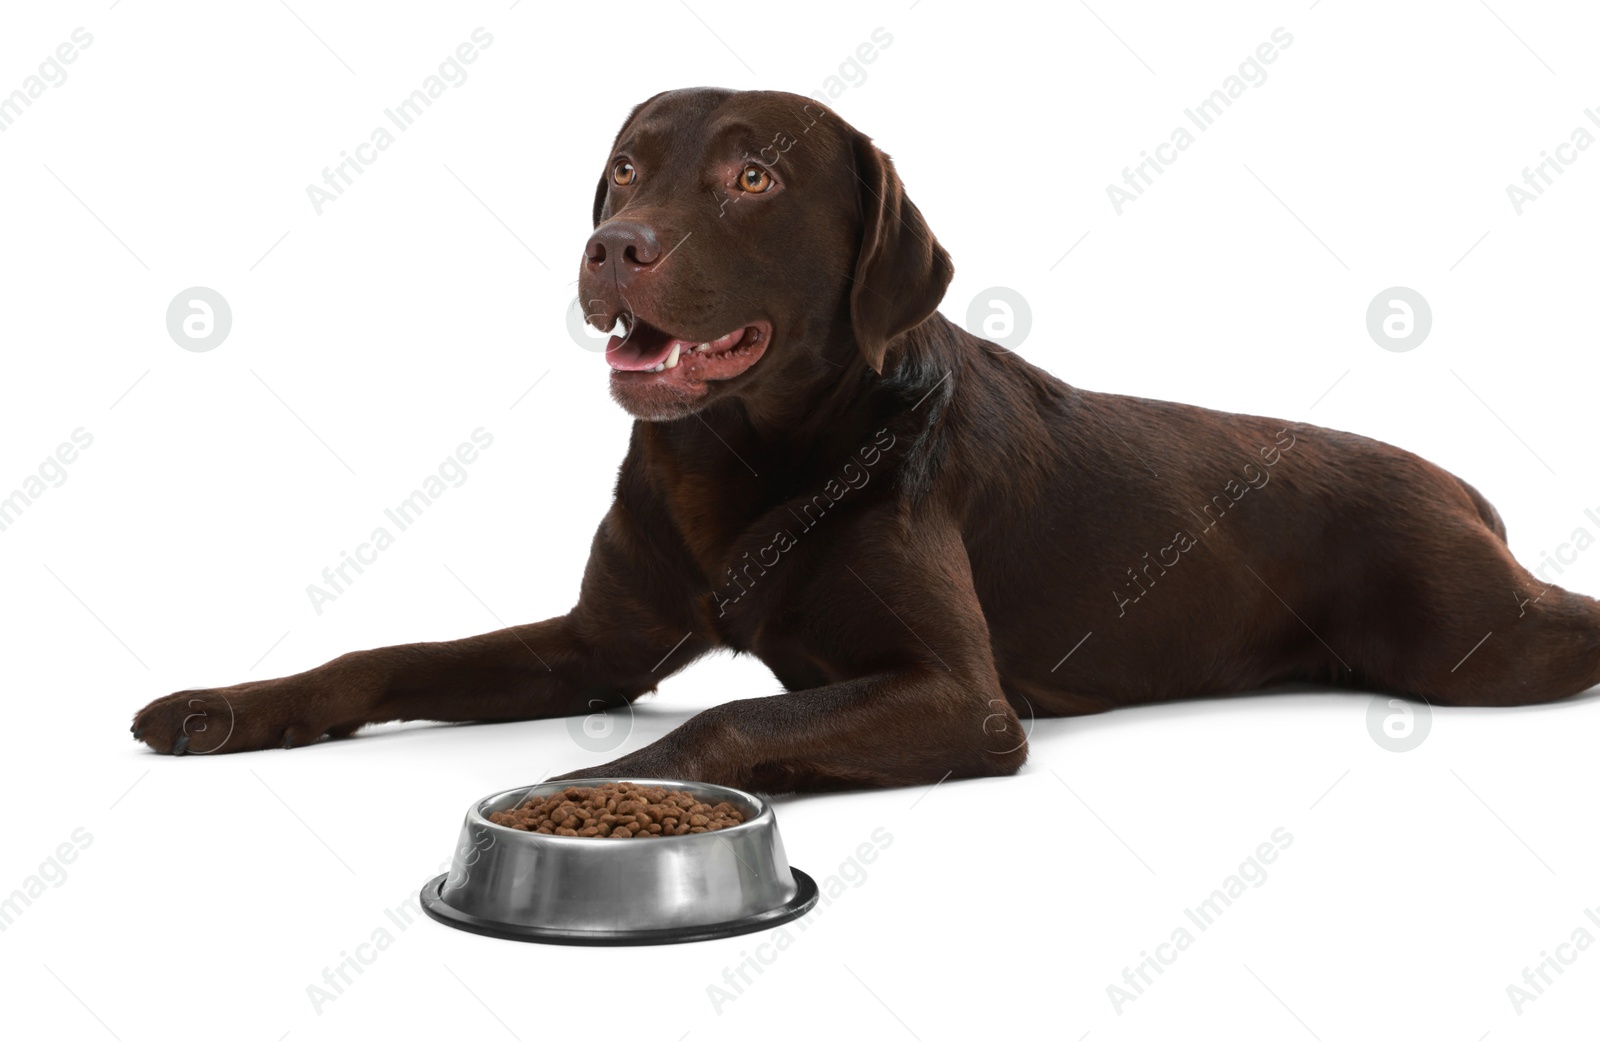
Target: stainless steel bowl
521,885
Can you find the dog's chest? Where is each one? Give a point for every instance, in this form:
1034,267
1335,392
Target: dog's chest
745,547
711,517
756,540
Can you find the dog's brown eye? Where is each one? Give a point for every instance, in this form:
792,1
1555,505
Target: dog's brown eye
754,179
623,173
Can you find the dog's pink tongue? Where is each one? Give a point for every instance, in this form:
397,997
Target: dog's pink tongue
637,352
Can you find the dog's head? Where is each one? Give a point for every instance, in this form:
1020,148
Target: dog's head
749,243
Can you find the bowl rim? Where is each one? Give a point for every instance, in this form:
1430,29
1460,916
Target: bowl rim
763,812
436,907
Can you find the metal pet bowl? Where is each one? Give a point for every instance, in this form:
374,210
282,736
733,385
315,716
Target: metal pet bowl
521,885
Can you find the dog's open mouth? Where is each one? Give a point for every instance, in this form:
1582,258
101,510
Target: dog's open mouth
645,352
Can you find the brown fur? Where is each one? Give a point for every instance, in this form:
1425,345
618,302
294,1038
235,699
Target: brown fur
1002,516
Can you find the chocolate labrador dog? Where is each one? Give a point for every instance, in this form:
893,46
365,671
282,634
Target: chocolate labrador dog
920,533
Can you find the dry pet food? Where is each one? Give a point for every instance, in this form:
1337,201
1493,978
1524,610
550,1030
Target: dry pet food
622,810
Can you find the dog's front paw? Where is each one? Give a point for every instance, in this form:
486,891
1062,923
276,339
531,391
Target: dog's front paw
242,718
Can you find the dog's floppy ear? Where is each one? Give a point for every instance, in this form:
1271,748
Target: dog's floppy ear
901,270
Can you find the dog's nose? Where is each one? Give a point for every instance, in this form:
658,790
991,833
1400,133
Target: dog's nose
633,246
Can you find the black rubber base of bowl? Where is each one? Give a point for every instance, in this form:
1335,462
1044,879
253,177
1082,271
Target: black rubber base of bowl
433,903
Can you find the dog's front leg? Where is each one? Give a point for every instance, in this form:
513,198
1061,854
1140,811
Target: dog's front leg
635,623
912,726
890,605
525,672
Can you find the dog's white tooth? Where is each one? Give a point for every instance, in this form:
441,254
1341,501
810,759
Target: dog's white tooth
702,346
672,359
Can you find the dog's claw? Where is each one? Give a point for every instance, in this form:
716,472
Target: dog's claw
138,733
288,739
181,745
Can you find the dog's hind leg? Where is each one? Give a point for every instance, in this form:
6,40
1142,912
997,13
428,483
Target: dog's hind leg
1478,629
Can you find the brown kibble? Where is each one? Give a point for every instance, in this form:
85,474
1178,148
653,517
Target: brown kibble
618,810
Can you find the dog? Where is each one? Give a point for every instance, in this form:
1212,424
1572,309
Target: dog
918,532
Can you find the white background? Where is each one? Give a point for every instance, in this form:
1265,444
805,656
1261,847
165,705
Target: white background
370,340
